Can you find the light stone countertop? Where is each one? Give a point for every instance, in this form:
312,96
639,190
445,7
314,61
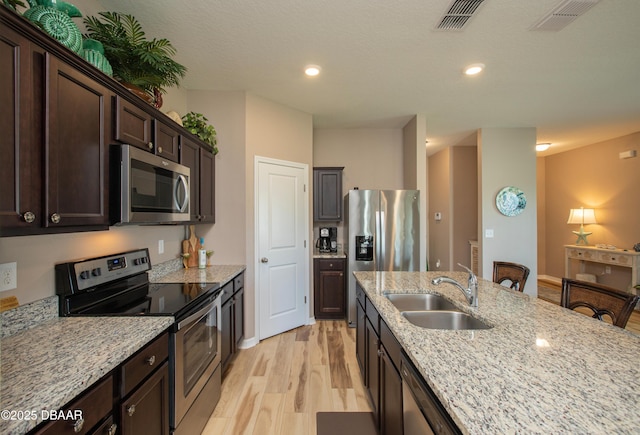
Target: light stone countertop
540,369
217,273
329,255
45,367
46,361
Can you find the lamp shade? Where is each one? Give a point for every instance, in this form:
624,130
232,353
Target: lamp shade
582,216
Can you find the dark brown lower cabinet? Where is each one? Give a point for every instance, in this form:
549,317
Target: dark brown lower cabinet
329,288
378,354
232,320
95,404
146,410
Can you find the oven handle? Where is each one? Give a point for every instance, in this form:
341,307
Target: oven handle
181,186
200,312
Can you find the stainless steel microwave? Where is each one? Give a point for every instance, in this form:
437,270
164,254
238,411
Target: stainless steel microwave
147,189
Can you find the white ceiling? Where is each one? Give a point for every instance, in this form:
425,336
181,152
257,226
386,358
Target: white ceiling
382,62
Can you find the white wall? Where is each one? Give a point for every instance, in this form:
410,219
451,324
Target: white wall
506,157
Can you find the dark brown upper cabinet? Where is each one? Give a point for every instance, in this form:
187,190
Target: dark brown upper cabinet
327,194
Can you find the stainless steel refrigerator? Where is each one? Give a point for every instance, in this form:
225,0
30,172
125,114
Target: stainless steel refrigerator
382,234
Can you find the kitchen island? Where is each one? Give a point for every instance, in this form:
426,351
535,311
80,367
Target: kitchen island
539,369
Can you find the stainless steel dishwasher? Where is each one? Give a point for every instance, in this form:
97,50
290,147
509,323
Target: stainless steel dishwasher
422,412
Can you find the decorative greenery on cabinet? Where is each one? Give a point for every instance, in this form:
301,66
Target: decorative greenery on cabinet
135,60
198,124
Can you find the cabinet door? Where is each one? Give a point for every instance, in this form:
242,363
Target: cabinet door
190,157
77,116
147,409
167,140
207,187
238,314
361,339
327,194
373,369
390,396
21,138
133,125
227,334
330,297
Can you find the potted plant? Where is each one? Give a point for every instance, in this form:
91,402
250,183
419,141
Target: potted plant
197,124
145,64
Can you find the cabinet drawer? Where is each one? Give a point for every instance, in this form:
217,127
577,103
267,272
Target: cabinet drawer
394,350
143,363
372,315
360,297
238,282
228,292
582,254
330,264
615,258
96,404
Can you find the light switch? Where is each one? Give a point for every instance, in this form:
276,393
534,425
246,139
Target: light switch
438,216
488,233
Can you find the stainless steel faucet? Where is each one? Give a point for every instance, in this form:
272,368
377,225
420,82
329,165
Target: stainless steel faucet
471,293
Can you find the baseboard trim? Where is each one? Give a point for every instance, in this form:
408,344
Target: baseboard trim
549,278
248,343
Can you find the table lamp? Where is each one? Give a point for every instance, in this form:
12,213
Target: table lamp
582,216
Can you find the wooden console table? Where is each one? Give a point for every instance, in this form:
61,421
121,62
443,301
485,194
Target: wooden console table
614,257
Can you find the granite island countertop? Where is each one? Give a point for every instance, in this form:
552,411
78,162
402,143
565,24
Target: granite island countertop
45,367
540,369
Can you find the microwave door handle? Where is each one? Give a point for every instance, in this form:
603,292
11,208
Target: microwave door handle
181,184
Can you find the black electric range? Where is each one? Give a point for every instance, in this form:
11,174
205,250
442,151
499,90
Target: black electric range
118,284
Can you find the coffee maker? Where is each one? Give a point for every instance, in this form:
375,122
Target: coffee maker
328,241
324,242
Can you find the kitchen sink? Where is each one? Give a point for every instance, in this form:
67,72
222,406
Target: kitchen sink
420,302
452,320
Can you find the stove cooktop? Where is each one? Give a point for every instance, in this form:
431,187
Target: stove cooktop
118,285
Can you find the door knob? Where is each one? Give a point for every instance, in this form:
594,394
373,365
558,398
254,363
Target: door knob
264,260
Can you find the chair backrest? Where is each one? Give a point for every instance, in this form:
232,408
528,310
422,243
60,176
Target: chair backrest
514,272
601,299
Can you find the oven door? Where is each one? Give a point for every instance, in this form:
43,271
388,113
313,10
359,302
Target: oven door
197,354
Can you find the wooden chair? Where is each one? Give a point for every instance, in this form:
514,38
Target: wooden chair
602,300
514,272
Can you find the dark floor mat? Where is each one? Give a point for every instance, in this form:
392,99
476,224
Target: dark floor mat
345,423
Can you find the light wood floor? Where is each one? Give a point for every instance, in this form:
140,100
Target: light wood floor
633,324
278,386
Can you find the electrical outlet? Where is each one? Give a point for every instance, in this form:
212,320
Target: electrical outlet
160,246
8,276
488,233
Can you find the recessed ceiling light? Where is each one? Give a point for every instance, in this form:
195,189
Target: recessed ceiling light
312,70
474,69
542,146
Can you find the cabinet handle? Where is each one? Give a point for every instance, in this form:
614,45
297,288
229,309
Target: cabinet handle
77,425
202,217
159,150
55,218
111,430
150,145
131,410
151,360
29,217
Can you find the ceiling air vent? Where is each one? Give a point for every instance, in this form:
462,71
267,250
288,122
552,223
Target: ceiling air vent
563,14
458,14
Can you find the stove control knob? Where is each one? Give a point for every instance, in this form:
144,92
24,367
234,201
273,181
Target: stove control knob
84,274
96,272
136,261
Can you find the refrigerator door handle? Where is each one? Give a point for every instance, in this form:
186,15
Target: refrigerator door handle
379,242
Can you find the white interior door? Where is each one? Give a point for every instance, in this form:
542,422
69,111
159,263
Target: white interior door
282,256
